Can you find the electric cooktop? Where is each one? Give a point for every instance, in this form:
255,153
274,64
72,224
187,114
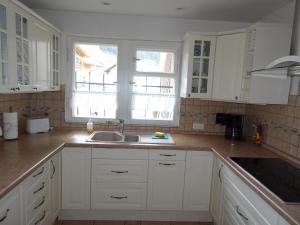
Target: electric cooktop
277,175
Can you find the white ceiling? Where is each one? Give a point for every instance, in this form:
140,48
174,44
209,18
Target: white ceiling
229,10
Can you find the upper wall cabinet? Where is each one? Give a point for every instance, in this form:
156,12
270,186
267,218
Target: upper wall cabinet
197,65
29,51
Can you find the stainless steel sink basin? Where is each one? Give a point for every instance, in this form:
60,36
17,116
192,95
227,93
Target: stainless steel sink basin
111,136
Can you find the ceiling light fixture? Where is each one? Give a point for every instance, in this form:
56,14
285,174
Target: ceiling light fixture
106,3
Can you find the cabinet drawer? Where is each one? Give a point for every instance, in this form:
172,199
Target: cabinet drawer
36,175
167,155
119,153
105,170
241,206
38,205
37,189
118,196
41,217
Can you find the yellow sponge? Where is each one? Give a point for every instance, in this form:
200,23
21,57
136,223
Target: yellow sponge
159,134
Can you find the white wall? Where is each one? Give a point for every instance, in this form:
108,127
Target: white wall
132,27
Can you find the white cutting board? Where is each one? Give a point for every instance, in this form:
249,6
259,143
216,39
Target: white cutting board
147,138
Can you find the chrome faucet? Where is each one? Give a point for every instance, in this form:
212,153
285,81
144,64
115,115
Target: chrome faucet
120,124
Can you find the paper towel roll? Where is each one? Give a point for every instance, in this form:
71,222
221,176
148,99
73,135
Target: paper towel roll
10,125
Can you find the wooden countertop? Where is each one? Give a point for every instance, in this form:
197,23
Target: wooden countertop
18,158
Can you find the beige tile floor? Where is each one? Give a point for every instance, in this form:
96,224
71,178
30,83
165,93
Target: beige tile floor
99,222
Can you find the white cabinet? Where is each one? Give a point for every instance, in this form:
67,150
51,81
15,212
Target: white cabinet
198,180
29,52
76,178
55,184
216,190
197,65
10,208
40,37
165,185
229,66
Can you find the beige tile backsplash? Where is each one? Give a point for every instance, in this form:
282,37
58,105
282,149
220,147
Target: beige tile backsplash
281,123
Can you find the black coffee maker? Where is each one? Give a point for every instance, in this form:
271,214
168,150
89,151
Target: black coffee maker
233,123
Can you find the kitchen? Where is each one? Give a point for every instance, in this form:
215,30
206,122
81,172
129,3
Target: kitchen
180,70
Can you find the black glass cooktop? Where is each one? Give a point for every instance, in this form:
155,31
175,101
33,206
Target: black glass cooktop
279,176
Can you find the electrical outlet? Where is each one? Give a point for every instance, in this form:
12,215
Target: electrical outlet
198,126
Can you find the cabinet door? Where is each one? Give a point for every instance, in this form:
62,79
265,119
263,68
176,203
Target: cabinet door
4,70
40,38
201,67
55,61
216,191
198,181
23,53
165,185
55,180
10,212
229,67
76,166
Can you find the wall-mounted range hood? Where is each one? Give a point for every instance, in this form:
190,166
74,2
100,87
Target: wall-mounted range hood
292,62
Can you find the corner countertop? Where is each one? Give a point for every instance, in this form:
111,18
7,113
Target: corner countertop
19,158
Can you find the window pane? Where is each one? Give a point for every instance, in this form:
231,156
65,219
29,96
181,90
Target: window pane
154,85
196,67
18,24
95,89
197,48
151,107
2,17
154,61
206,48
4,53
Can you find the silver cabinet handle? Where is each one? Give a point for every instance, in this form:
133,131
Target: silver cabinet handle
167,155
116,171
5,215
40,188
219,173
40,219
167,164
118,197
237,209
40,204
53,169
39,173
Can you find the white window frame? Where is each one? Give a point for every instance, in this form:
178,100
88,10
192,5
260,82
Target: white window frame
125,72
157,46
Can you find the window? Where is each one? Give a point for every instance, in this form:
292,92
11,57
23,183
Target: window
95,91
153,86
140,87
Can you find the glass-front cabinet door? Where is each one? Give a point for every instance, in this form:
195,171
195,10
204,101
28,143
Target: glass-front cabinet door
201,67
23,64
3,47
55,61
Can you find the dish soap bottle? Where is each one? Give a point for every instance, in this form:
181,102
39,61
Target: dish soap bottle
90,126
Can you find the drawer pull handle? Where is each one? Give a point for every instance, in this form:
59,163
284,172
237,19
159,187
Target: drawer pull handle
39,173
39,189
5,215
118,197
219,173
40,204
53,169
40,219
167,164
240,213
167,155
116,171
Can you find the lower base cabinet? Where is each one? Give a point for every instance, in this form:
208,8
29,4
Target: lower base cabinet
10,208
165,185
76,178
233,202
198,176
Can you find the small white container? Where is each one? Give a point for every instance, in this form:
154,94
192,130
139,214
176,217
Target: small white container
10,125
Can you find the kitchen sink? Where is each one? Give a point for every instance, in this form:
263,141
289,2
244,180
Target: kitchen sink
112,136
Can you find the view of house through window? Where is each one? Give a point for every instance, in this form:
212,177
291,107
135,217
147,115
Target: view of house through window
95,81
